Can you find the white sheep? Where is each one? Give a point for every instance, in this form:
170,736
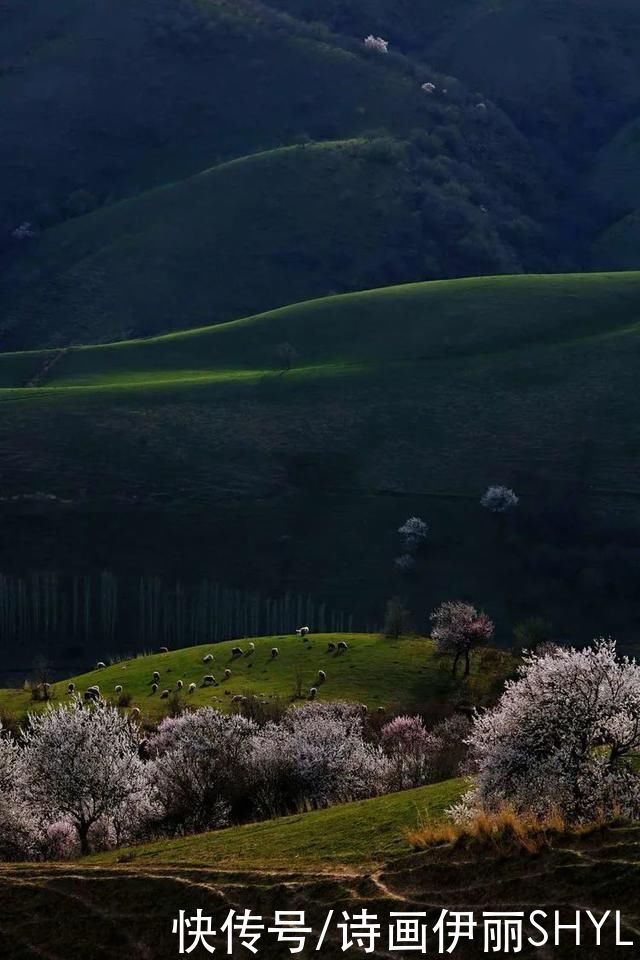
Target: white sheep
236,652
100,665
312,693
302,631
156,677
163,650
71,688
227,673
117,688
207,658
134,713
164,695
343,645
274,652
208,681
252,647
179,684
154,688
238,698
331,646
321,676
192,688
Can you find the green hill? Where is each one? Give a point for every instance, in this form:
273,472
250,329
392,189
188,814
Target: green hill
264,231
565,70
398,675
366,833
193,455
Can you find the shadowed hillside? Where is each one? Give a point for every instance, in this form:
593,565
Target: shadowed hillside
406,401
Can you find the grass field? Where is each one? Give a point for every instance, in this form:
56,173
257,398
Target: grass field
260,232
344,858
399,675
404,401
363,834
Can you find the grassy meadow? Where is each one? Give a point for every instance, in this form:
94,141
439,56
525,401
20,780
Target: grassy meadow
398,675
403,401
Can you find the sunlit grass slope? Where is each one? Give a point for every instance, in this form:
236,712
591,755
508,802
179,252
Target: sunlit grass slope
483,319
402,674
357,834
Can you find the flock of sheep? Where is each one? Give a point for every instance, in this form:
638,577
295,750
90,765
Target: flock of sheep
92,693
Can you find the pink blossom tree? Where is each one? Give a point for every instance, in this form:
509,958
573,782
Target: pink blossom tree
412,751
80,763
561,737
458,629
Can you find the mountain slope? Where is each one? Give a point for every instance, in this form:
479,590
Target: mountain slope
264,231
405,401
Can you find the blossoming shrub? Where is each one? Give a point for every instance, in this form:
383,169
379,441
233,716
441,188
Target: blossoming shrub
560,740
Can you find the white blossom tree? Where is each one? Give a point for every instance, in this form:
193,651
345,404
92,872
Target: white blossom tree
499,499
414,531
411,749
376,43
457,629
200,768
561,737
80,764
19,825
317,756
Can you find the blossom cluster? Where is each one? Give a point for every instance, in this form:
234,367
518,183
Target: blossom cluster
561,739
82,776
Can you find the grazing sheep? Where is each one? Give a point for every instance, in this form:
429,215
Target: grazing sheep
163,650
343,645
95,689
236,652
134,713
100,665
274,652
154,688
321,676
117,688
156,676
312,693
381,710
207,658
238,698
331,646
164,695
302,631
252,647
227,673
179,684
364,708
71,688
208,681
91,695
192,688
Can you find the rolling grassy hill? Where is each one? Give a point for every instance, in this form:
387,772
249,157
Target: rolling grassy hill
399,675
264,231
565,70
404,401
